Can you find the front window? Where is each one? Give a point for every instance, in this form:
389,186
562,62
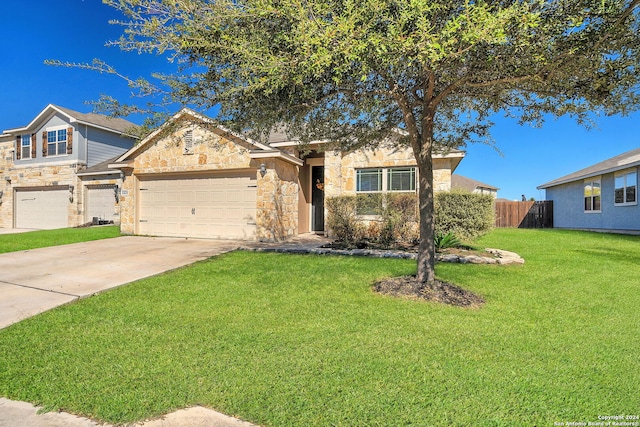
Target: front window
592,195
401,179
25,147
56,142
625,188
369,180
386,179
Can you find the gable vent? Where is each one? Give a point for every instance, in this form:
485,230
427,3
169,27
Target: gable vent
188,142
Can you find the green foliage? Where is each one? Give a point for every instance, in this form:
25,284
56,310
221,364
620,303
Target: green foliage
342,218
353,72
303,341
386,219
445,241
62,236
464,214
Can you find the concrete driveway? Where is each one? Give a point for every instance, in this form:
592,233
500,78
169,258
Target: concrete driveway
37,280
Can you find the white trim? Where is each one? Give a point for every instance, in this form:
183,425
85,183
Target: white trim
384,182
623,173
584,182
276,154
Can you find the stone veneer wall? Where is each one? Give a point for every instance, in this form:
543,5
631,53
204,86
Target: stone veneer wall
211,151
277,191
340,168
277,201
44,176
6,202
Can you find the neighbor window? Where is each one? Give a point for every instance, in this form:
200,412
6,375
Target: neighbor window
25,147
625,188
386,179
592,195
56,142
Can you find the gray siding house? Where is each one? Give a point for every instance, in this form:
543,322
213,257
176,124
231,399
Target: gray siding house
602,197
52,173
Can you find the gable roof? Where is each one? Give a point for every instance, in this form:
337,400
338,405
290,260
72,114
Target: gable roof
616,163
459,181
112,124
261,150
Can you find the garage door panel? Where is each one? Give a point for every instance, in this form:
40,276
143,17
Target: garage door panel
101,203
42,209
213,207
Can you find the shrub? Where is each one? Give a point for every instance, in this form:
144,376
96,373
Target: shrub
342,219
444,241
464,214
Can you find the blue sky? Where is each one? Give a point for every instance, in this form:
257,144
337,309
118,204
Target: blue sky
77,30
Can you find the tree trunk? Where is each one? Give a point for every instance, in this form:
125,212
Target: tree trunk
427,251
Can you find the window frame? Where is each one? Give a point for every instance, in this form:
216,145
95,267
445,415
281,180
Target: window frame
23,138
625,187
385,179
590,182
58,144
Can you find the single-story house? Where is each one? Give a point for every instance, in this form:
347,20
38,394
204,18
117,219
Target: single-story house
472,186
191,178
53,171
602,197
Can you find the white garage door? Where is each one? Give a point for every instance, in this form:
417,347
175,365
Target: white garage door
101,203
42,209
208,207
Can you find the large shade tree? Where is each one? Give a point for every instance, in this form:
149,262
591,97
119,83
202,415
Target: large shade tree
354,71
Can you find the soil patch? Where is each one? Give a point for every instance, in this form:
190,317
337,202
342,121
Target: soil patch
443,292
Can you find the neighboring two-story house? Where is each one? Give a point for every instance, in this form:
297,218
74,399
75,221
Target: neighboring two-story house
53,171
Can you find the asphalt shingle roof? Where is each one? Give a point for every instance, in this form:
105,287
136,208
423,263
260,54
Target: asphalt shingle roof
616,163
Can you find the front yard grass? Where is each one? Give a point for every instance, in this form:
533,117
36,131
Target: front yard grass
43,238
300,340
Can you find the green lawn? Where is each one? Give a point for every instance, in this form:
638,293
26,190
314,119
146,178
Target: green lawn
62,236
296,340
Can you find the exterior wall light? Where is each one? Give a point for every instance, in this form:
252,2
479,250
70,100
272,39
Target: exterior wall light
263,169
71,193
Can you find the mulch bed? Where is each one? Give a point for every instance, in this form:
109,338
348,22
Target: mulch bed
442,292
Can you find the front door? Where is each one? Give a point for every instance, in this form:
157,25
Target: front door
317,198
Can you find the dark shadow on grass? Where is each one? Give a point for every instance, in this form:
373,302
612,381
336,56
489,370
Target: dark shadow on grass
442,292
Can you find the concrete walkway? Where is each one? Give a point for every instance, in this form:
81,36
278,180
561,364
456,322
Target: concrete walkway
37,280
40,279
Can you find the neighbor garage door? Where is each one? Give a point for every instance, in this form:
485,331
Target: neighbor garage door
208,207
42,208
101,203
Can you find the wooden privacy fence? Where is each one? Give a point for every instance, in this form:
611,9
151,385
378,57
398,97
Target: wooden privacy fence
524,214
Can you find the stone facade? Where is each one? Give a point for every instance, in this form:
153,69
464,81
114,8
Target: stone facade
6,201
277,201
340,168
210,150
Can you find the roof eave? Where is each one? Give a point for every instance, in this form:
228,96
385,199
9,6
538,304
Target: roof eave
562,181
276,154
